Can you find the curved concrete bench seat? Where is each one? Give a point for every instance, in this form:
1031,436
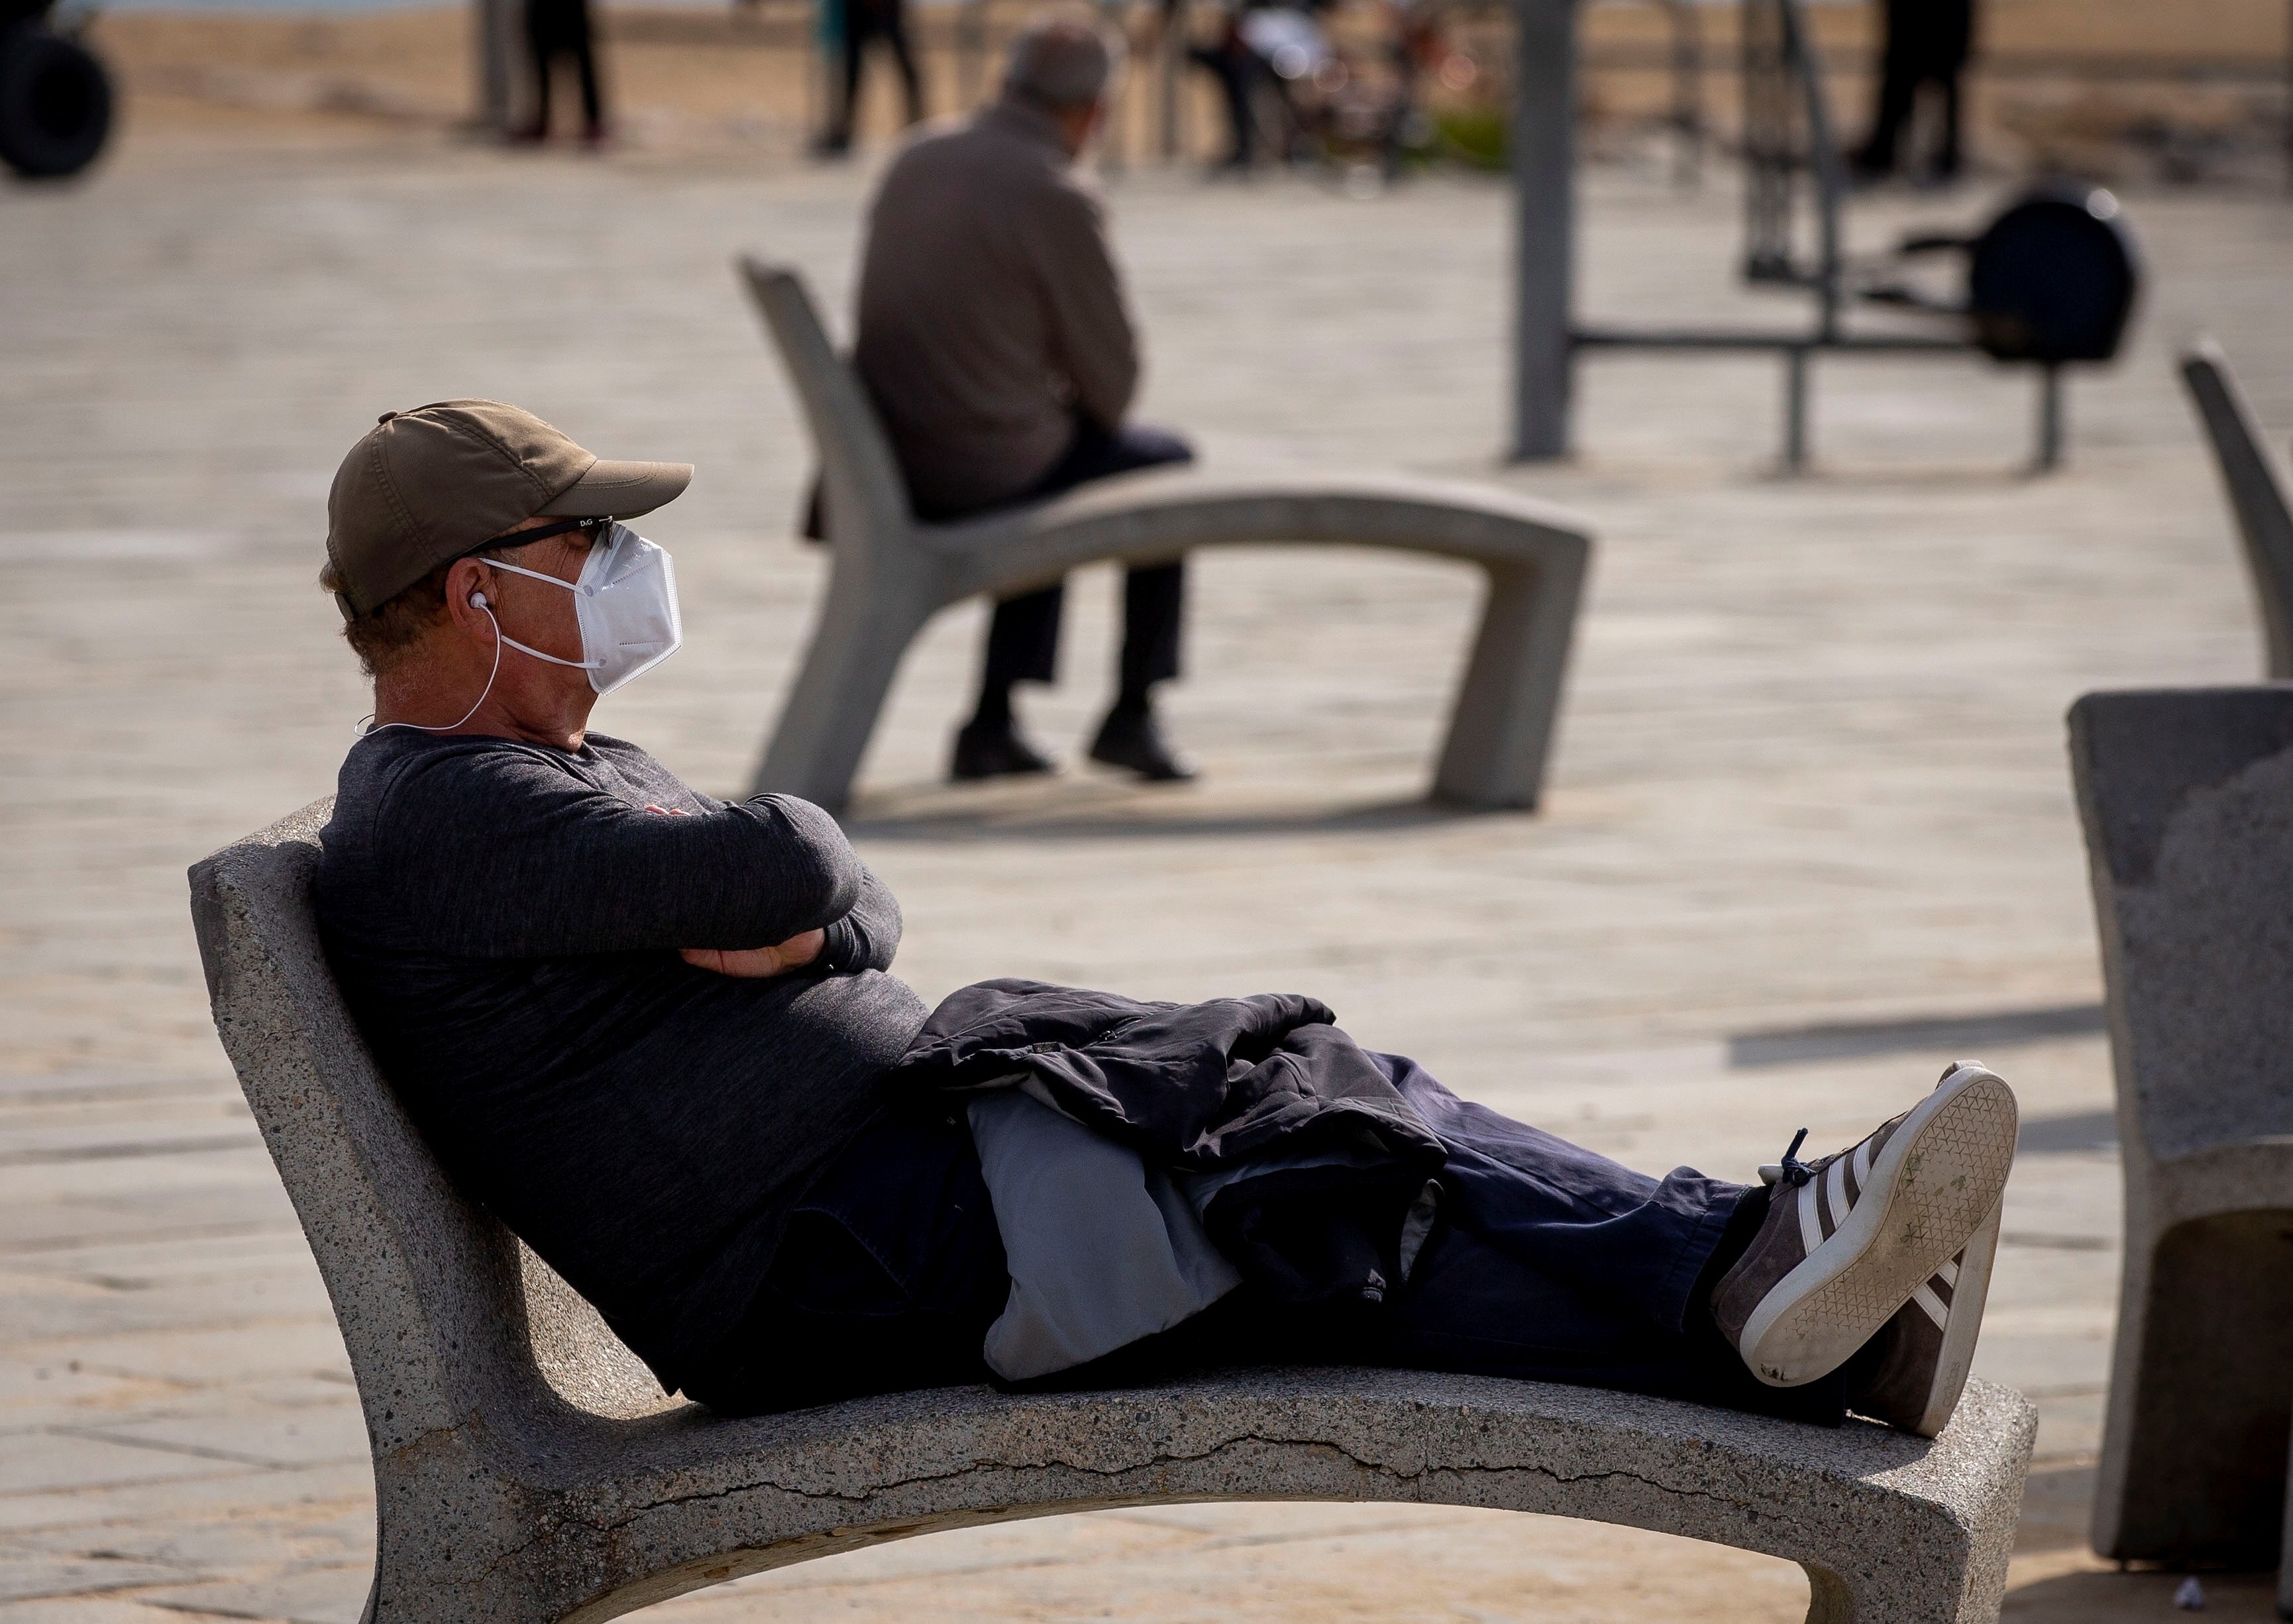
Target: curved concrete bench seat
890,573
527,1470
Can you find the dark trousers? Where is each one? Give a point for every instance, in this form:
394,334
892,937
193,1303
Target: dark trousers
556,28
1237,67
1550,1263
1022,639
1928,42
865,20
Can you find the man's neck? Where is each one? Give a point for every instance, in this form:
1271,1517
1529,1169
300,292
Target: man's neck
1066,130
432,702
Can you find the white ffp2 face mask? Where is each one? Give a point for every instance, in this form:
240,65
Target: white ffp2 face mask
625,603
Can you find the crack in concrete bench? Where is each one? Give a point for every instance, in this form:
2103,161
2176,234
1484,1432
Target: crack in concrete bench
889,573
527,1469
2258,495
2187,798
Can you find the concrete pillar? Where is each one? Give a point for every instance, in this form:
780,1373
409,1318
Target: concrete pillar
1544,220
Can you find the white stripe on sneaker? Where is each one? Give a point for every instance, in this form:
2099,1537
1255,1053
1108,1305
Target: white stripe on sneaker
1863,1159
1835,1182
1950,1273
1925,1298
1810,1222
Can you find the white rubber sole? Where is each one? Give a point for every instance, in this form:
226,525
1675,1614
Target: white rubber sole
1960,1331
1937,1183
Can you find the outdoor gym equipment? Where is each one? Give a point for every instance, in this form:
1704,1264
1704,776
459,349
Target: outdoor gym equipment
55,98
2051,282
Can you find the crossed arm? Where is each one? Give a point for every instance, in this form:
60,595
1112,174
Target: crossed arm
540,864
760,963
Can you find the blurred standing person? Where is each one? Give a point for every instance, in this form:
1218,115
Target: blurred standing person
556,28
996,343
1929,41
862,21
1230,60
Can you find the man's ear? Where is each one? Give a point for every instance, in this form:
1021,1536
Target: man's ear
468,584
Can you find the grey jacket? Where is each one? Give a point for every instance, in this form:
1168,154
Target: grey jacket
990,310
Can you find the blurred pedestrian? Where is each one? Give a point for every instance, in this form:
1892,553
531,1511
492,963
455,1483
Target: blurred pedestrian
995,341
861,21
1929,43
1237,68
556,28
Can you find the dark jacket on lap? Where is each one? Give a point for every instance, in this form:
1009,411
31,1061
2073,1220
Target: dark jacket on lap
1309,1166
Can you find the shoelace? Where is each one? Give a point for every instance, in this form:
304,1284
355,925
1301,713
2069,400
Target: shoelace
1795,1171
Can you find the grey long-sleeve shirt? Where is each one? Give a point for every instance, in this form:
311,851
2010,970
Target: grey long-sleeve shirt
990,310
504,921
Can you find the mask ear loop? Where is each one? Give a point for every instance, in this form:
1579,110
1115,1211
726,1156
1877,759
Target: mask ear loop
361,730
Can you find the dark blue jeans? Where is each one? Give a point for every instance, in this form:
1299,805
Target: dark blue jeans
1550,1264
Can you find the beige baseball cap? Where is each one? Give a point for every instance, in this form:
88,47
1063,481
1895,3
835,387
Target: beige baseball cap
426,486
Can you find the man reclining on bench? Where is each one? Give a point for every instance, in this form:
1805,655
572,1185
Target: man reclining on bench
655,1033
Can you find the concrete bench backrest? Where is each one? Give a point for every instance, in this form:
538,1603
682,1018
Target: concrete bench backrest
2258,493
866,497
2187,797
448,1320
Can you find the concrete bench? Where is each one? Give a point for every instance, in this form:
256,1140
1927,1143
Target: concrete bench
890,573
2260,495
2187,798
527,1469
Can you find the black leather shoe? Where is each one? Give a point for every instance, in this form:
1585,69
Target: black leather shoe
996,752
1131,739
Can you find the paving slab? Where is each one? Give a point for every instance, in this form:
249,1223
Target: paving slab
308,1436
92,1610
24,1576
51,1458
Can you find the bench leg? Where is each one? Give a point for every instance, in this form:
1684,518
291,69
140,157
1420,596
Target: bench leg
1830,1600
855,651
1502,728
2193,1454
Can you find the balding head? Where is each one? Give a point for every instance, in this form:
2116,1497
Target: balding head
1062,63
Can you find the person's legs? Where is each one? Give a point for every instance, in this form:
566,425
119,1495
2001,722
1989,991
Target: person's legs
886,1277
1154,600
1472,1307
1232,65
541,48
895,35
582,43
1949,155
1023,646
845,115
1154,614
1898,82
1023,638
1638,1242
1153,611
1551,1262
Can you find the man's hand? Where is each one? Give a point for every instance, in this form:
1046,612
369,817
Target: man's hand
757,962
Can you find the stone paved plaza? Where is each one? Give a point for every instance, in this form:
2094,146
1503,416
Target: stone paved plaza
1808,834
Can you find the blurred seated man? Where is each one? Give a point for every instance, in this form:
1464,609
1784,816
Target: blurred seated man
657,1034
995,343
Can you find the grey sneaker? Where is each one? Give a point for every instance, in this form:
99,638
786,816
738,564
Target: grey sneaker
1925,1351
1850,1239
